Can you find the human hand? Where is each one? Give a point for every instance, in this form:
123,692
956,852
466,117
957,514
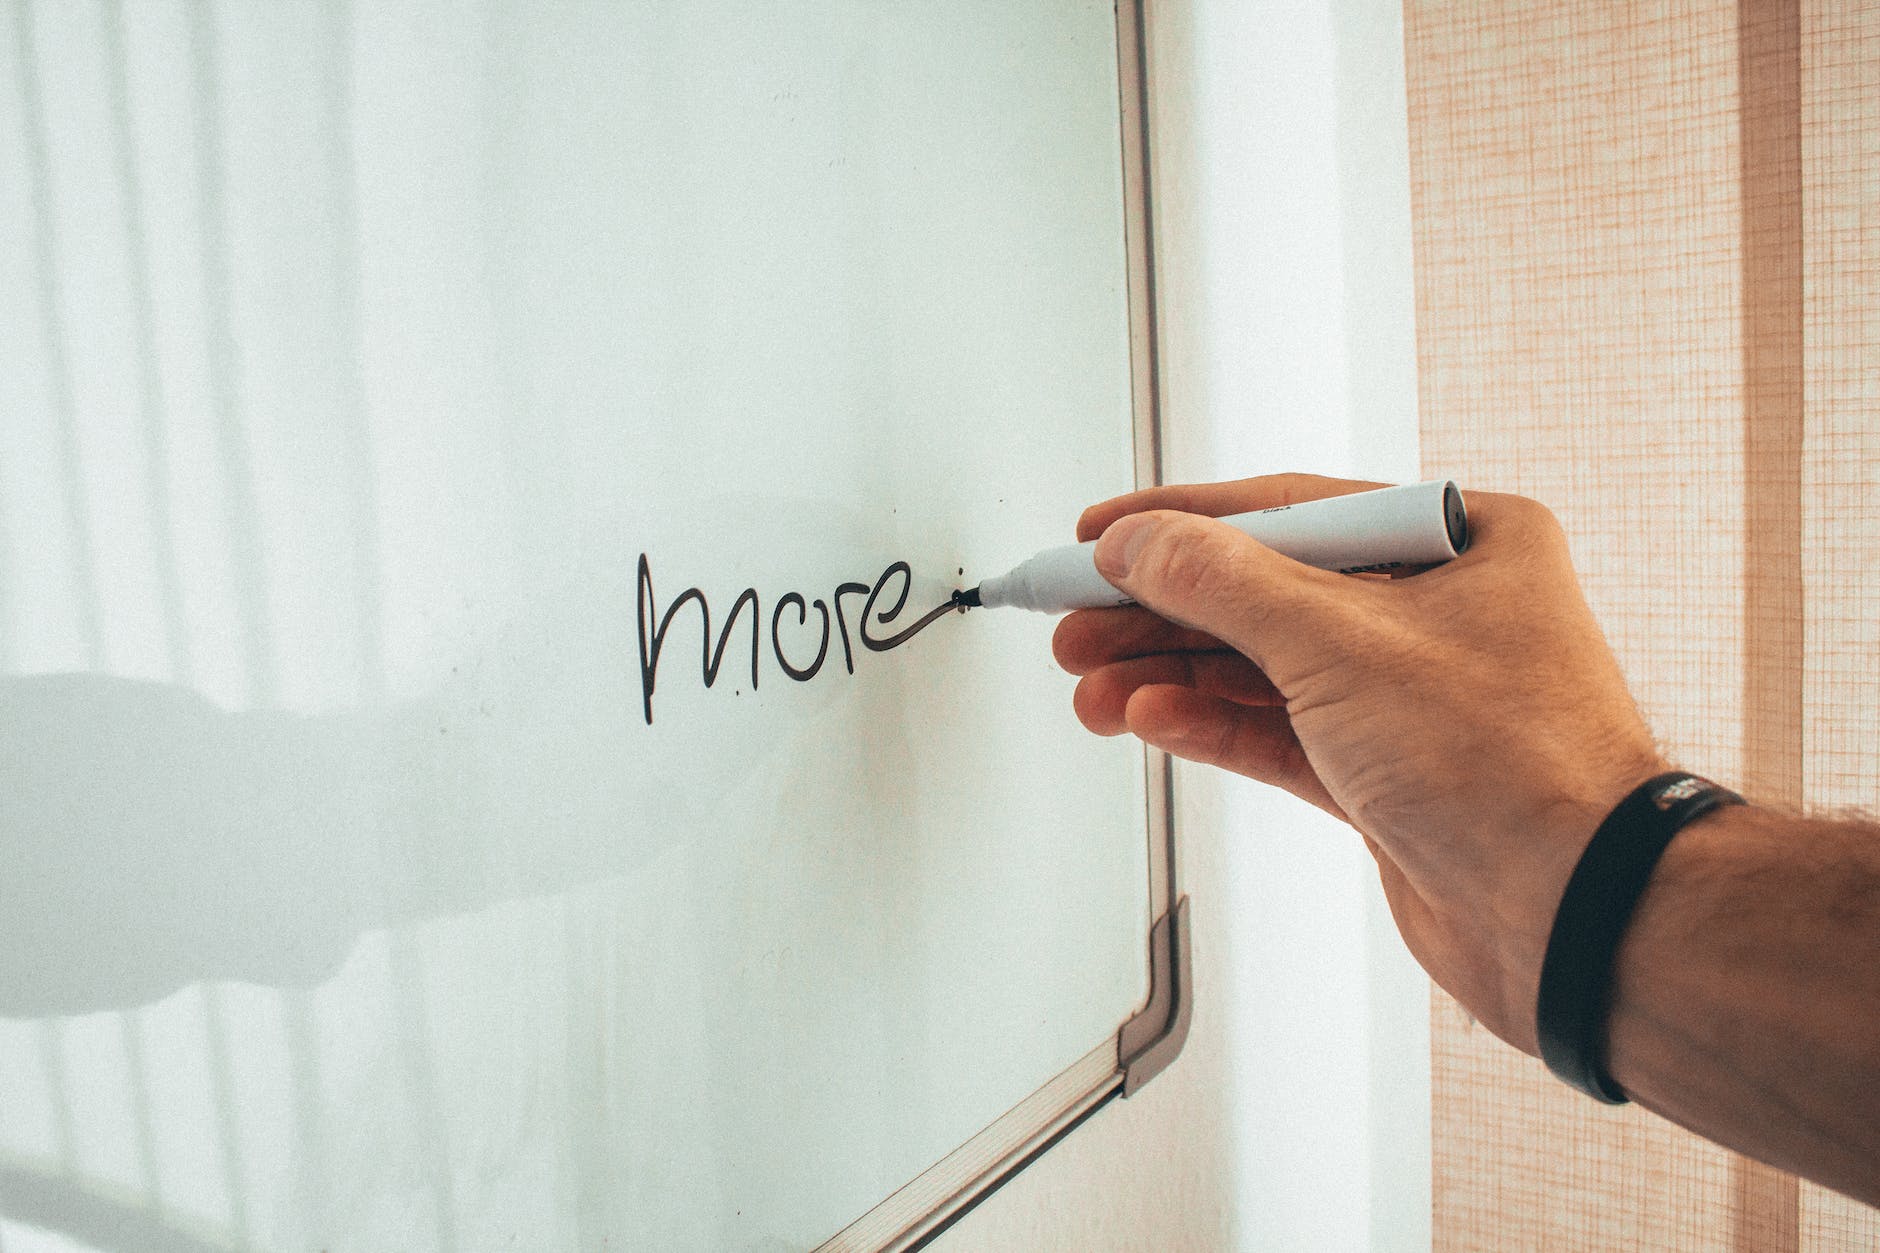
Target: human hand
1469,721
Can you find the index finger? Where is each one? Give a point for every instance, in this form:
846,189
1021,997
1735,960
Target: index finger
1267,491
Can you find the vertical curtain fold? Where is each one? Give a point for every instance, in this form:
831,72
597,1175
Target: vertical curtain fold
1764,1203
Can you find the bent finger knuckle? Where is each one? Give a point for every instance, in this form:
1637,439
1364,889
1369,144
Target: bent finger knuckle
1525,514
1189,564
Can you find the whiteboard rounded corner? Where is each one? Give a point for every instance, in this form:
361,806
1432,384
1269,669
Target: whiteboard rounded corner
1148,1043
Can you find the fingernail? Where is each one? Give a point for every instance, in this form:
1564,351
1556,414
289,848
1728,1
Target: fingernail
1117,550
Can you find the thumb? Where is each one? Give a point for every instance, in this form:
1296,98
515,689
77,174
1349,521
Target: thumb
1202,573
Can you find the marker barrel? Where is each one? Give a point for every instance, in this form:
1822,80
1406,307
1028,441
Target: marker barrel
1413,525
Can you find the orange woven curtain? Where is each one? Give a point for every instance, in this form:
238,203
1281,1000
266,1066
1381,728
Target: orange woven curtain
1648,293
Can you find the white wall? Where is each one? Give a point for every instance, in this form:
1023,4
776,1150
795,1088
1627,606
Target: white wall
1297,1117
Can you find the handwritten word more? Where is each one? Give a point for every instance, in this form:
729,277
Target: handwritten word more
655,625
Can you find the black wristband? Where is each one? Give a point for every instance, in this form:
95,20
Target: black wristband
1576,973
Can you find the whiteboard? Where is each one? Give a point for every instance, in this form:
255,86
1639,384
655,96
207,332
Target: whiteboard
381,869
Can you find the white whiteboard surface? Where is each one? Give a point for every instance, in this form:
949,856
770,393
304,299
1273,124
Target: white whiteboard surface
351,358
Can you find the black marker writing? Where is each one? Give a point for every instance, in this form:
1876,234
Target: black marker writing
907,583
776,642
654,626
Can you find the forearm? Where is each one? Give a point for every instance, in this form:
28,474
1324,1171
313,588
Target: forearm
1746,996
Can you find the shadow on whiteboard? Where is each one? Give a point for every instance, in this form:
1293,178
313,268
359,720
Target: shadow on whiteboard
156,840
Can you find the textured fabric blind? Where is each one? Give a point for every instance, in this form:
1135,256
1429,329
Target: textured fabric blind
1839,48
1648,293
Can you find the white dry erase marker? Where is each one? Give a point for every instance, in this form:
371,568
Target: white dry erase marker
1414,525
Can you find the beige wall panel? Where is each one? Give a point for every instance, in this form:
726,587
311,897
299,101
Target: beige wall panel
1840,111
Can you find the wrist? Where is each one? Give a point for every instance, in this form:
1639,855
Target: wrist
1682,902
1556,842
1745,992
1595,916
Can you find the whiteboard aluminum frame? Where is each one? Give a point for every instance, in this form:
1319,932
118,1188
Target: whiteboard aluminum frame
932,1201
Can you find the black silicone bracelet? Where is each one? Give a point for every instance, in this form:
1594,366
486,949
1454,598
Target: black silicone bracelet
1576,973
